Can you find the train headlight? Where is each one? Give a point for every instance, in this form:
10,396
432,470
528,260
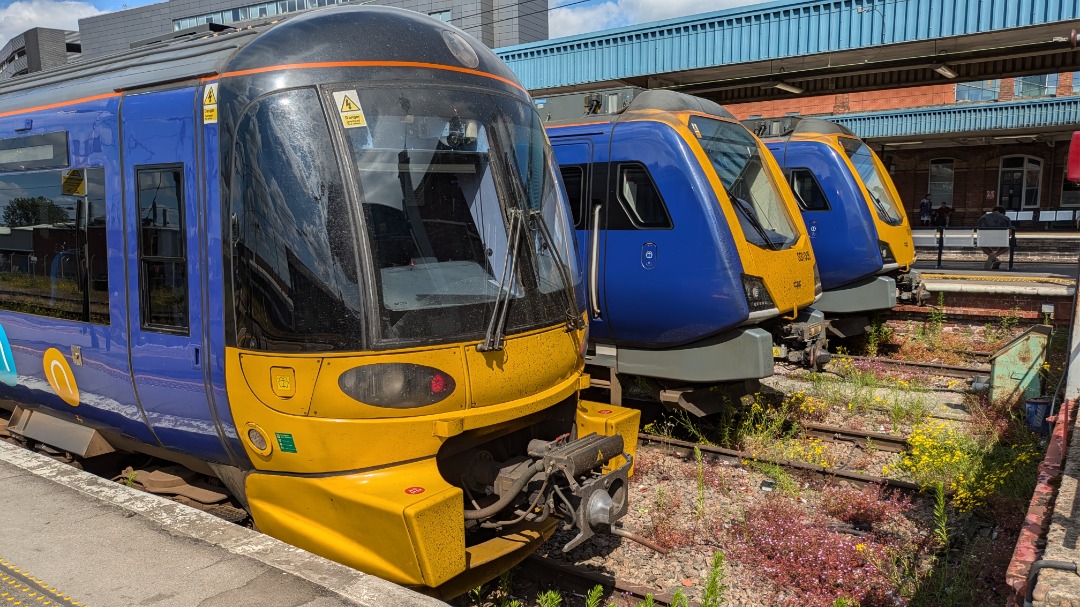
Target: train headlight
258,440
757,296
886,252
396,385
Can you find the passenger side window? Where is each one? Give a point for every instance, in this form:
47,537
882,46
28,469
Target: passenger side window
163,293
53,254
808,192
640,198
574,179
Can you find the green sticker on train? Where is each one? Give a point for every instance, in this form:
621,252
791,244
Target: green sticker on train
285,442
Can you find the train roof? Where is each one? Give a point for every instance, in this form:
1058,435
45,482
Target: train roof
784,127
661,100
176,60
325,36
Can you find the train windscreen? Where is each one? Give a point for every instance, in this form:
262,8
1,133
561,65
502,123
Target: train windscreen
888,209
737,158
443,184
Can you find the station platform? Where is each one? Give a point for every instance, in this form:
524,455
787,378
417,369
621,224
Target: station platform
71,538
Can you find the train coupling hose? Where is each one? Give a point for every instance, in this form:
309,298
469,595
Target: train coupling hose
592,501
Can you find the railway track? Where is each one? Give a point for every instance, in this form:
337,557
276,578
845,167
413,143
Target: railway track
710,453
579,581
936,368
882,442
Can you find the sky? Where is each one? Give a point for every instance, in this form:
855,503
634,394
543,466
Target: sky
17,16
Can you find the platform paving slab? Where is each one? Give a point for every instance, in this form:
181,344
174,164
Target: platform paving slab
102,544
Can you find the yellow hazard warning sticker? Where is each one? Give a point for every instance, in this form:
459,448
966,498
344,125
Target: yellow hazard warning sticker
348,106
73,183
209,108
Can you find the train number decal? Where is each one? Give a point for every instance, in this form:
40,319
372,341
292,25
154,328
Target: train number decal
805,256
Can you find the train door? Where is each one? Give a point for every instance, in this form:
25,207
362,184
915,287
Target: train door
584,178
164,287
642,280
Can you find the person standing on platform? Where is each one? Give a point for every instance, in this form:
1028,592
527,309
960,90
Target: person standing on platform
941,216
995,219
925,207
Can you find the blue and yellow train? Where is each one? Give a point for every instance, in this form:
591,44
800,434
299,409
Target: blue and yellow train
321,267
699,268
857,225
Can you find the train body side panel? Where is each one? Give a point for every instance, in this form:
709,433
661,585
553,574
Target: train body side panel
843,236
214,283
573,147
695,268
166,303
101,385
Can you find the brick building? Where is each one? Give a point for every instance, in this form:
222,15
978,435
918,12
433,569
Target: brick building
971,171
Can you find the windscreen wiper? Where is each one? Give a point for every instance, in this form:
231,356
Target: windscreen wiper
573,319
493,338
883,211
742,206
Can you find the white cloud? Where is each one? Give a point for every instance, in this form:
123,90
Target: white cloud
19,16
579,19
594,17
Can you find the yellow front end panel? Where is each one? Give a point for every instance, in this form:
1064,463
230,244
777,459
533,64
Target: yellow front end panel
363,487
789,273
498,377
401,523
608,420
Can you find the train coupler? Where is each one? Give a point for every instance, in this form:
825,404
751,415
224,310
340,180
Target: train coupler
803,341
591,501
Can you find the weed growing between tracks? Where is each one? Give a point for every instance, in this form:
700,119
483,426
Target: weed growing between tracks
793,539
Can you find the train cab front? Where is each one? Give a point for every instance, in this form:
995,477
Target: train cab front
403,337
780,278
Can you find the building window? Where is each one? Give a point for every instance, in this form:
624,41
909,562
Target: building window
1018,186
982,90
941,181
1076,82
1036,86
443,16
257,11
1070,192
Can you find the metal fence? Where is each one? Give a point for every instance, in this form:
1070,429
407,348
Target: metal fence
966,238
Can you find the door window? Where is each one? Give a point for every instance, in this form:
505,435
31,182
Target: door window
640,198
163,300
1020,177
808,192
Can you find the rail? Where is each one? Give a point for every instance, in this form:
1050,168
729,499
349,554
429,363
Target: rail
966,238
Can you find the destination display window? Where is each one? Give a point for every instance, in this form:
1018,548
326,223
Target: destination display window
53,250
34,152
